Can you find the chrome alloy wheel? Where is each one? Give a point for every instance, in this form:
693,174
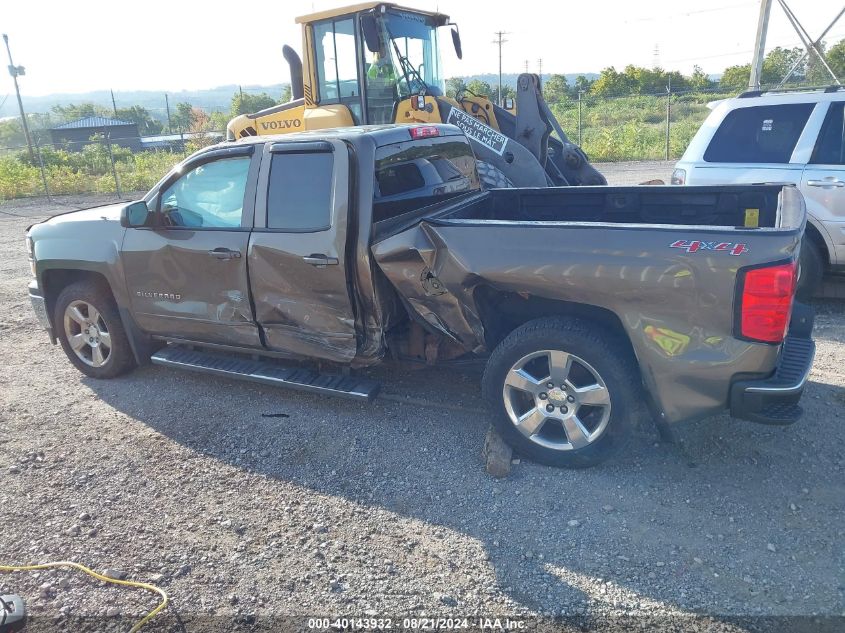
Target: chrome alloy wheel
87,333
556,400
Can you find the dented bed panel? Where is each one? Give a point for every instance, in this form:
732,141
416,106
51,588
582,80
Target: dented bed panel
675,306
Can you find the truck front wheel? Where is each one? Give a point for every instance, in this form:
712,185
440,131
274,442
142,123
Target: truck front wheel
562,392
90,331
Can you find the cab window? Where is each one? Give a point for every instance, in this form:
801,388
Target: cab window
208,196
337,66
299,199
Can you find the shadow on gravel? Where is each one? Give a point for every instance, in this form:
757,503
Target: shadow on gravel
737,519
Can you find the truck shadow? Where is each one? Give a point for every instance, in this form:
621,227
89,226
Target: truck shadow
686,525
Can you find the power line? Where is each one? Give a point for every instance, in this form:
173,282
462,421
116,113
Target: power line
685,14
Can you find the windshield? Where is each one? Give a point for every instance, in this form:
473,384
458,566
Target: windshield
412,47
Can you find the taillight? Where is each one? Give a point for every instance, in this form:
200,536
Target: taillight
679,177
424,131
766,302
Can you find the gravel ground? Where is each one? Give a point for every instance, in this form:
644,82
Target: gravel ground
637,172
247,503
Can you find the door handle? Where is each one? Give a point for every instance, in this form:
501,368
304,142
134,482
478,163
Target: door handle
825,183
224,253
320,260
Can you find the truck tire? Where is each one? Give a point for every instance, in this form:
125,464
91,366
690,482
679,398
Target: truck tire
810,270
90,331
562,392
492,177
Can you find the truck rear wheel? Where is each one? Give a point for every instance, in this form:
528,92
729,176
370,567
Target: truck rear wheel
562,392
91,332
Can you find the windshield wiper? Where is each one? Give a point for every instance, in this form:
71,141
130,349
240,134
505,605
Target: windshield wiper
407,67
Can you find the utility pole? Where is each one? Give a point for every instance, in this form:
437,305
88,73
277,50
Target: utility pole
167,105
580,92
668,113
15,71
500,39
113,103
760,45
540,69
811,46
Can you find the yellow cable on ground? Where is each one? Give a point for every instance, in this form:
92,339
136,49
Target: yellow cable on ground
100,577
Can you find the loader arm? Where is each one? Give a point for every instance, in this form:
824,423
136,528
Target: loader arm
564,162
521,146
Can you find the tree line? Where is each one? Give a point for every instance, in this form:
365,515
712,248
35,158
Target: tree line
184,117
632,80
638,80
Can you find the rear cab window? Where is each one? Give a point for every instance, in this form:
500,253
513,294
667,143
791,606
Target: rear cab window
759,134
416,174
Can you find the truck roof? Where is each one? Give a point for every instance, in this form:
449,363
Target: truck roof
380,134
777,97
365,6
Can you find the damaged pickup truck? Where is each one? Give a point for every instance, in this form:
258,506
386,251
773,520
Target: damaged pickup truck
354,246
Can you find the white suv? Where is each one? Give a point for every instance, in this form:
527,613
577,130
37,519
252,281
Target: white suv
796,137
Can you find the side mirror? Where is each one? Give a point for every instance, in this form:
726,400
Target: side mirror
369,28
134,214
456,40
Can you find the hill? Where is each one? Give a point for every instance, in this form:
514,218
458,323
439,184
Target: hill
217,99
210,99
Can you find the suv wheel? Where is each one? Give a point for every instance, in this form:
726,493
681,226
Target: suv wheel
562,392
90,331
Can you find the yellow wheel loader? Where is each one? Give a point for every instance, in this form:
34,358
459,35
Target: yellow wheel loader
378,63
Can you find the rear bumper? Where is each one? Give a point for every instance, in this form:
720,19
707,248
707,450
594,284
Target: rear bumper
39,306
774,400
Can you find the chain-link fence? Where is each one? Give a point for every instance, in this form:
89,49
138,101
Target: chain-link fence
99,165
656,127
634,127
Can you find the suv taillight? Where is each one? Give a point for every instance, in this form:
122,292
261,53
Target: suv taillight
766,302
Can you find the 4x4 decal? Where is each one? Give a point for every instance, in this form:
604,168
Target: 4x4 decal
694,246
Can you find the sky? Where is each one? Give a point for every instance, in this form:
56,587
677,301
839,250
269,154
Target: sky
72,47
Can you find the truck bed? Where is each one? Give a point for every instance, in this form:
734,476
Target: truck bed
662,260
726,206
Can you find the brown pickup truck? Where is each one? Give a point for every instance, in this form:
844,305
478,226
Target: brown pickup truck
253,259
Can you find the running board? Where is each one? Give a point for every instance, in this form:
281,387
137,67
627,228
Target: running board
266,372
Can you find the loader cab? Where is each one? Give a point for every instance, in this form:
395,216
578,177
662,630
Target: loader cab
371,58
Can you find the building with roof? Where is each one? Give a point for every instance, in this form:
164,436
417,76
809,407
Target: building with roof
77,134
177,141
